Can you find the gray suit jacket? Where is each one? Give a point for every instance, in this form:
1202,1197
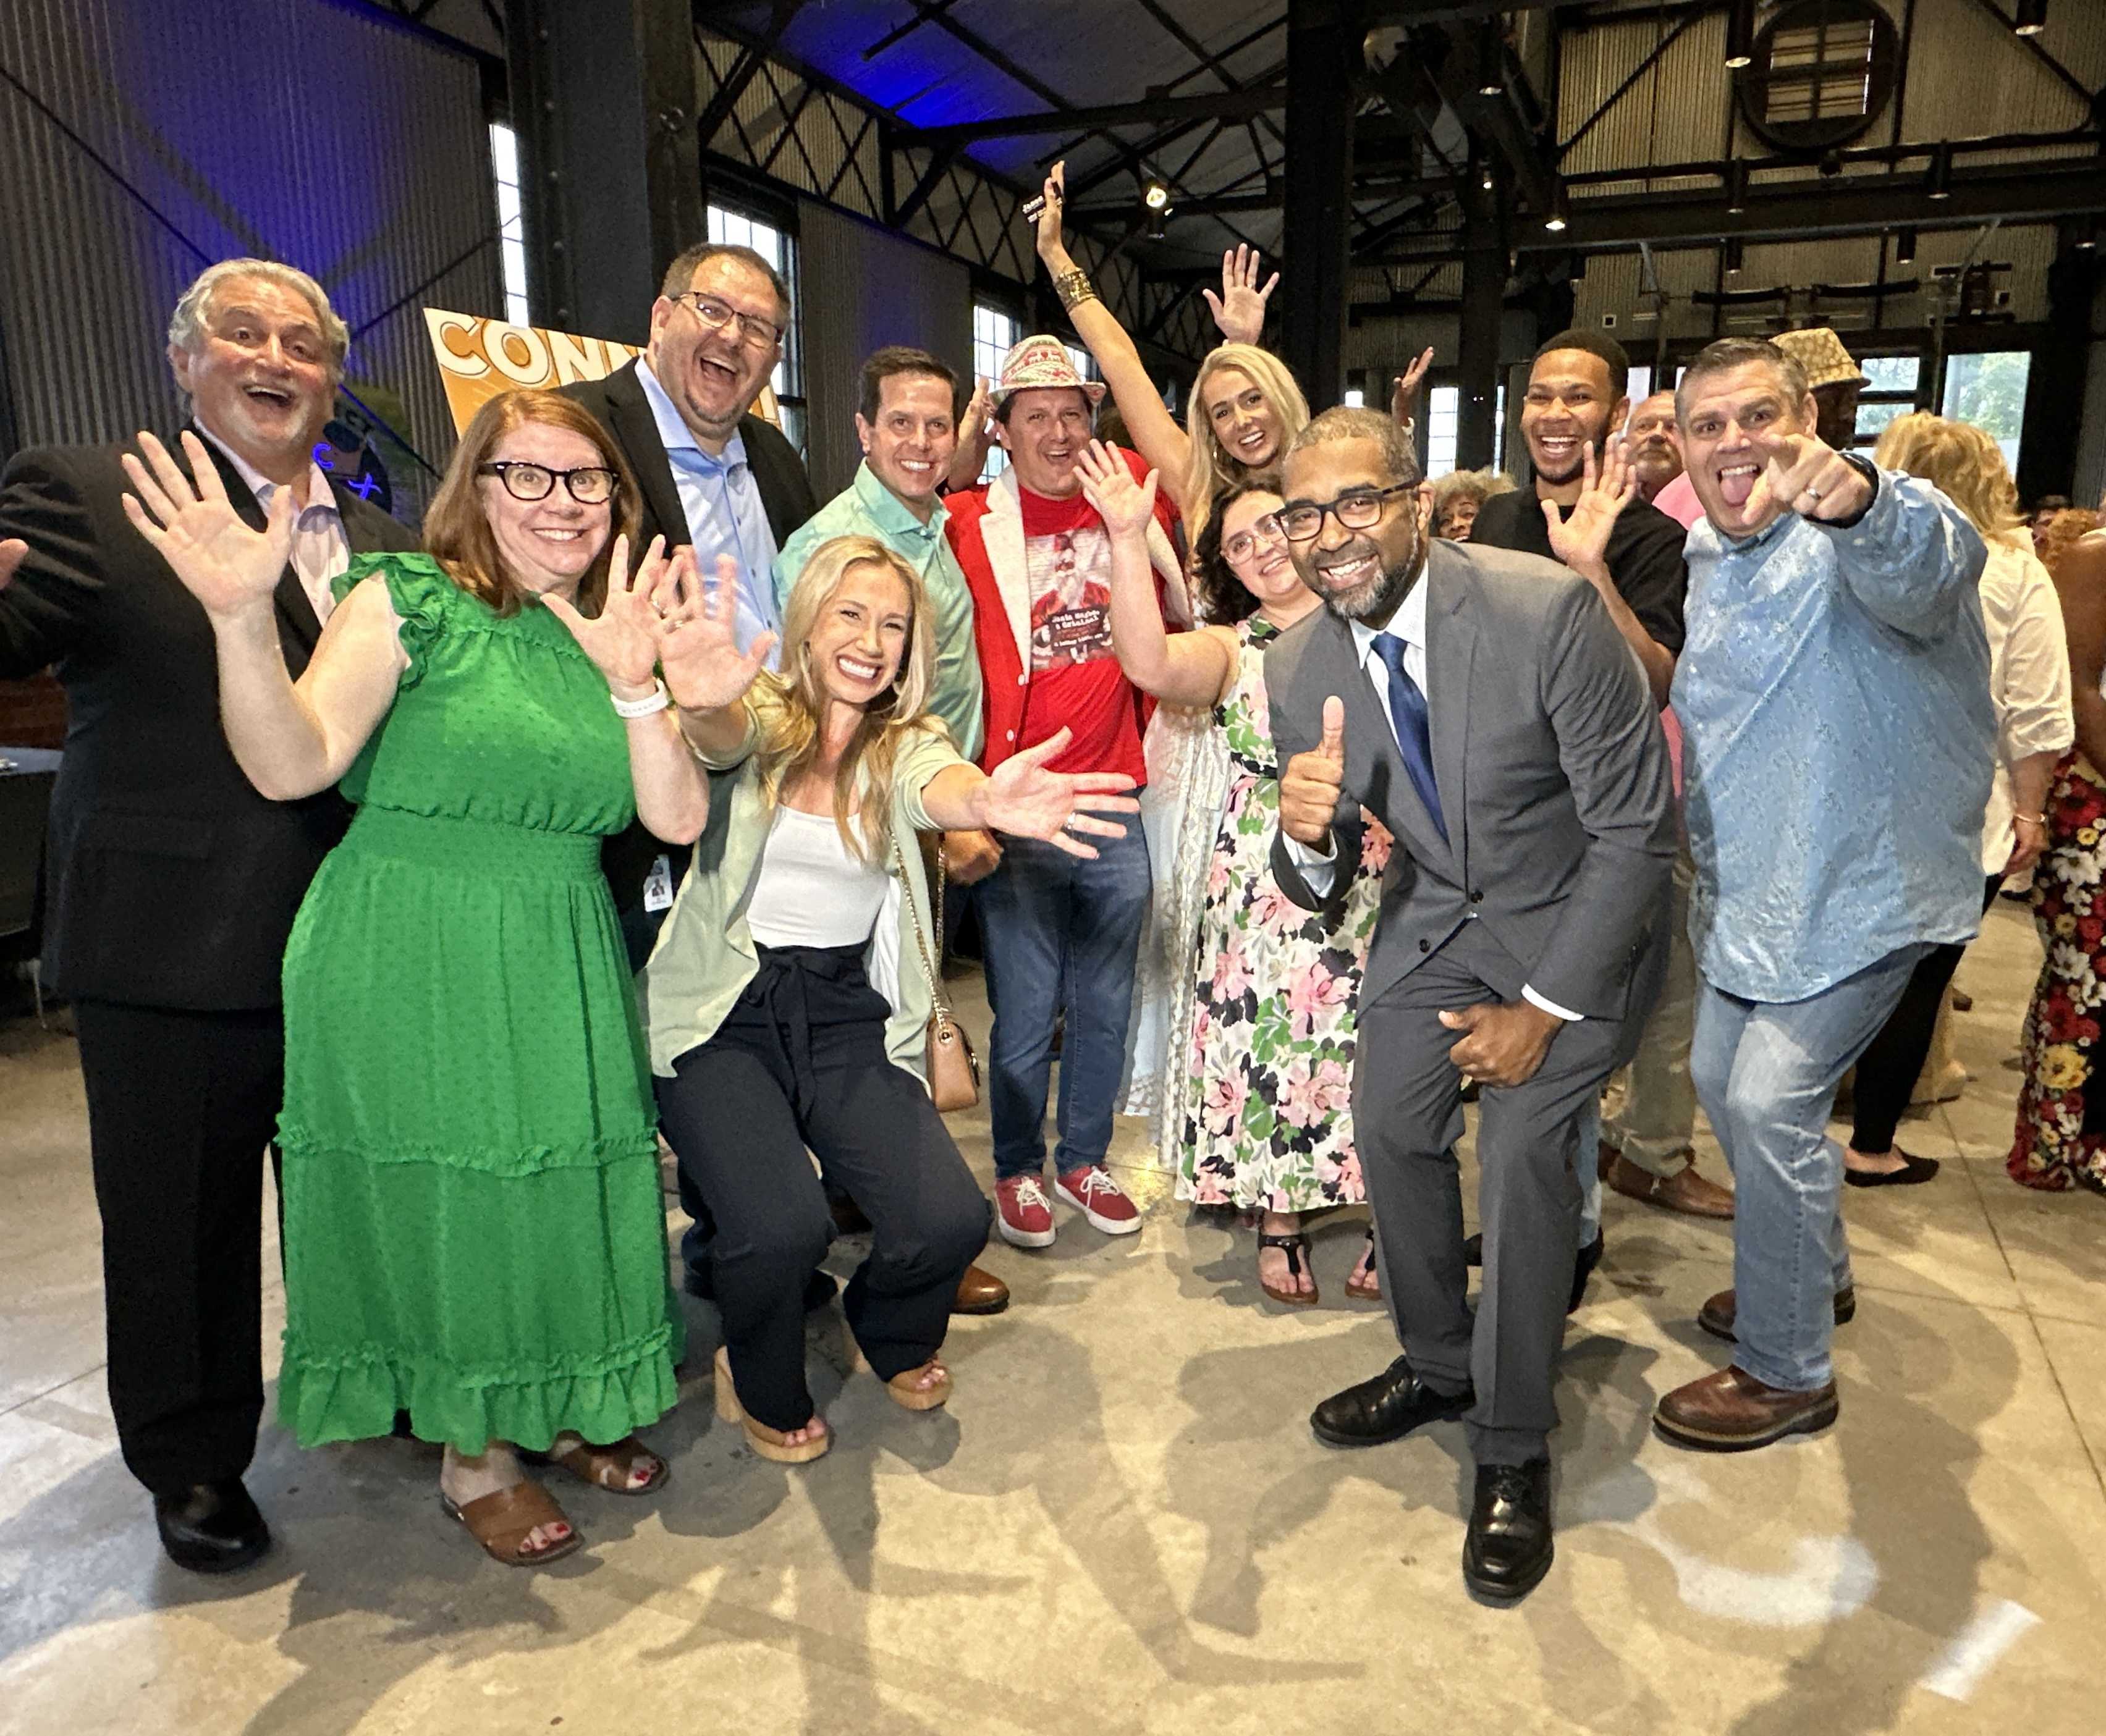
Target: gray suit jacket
1552,773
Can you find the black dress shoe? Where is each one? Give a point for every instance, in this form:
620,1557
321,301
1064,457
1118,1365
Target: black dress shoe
211,1528
1386,1408
1509,1548
1583,1269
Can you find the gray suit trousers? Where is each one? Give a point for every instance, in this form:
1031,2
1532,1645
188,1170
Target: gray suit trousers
1408,1115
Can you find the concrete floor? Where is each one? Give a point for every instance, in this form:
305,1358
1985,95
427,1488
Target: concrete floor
1121,1524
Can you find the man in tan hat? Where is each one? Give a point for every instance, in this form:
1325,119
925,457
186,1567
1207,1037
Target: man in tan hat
1060,932
1833,378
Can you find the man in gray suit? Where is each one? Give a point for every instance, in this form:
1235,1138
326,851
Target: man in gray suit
1481,705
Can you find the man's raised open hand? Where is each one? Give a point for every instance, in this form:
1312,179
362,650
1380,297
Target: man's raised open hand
227,566
698,650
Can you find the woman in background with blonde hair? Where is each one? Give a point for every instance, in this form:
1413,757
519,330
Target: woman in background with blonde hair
2029,683
789,994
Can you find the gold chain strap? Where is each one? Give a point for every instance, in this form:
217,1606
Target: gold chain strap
936,1001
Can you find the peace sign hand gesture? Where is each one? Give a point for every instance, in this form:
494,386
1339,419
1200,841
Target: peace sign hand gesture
698,650
1240,309
230,568
1580,538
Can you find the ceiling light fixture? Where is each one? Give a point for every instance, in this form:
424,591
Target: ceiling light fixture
2031,18
1491,61
1939,183
1560,212
1905,248
1740,35
1737,187
1155,194
1733,255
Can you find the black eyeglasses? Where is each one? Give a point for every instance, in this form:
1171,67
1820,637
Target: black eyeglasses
1356,509
753,330
590,485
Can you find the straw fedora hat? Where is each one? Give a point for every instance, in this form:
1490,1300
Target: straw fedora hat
1042,361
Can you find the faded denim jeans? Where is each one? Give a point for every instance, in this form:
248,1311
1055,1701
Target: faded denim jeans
1766,1072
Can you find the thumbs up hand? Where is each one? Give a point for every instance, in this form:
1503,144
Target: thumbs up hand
1309,787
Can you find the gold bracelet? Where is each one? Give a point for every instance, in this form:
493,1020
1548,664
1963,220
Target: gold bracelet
2030,819
1074,288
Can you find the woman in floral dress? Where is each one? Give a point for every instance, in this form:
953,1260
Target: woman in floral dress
2061,1137
1256,1111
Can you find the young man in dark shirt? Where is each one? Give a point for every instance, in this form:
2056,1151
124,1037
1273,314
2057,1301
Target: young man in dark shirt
1586,512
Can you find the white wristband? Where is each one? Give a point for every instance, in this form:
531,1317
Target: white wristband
657,699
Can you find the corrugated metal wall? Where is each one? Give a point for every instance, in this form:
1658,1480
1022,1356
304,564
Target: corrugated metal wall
873,288
307,131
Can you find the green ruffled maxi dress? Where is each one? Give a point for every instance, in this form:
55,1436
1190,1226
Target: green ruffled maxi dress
474,1232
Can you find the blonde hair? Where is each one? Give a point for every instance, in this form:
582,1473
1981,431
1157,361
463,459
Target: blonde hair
1961,460
457,532
791,706
1211,469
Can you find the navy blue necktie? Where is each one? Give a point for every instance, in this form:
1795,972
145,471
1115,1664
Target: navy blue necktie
1414,737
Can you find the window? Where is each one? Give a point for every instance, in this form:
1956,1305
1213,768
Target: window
1890,390
995,333
1085,364
1444,411
1641,385
1820,72
511,224
1989,389
733,228
1356,399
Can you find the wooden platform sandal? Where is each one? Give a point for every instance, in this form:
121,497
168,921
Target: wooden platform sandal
769,1443
902,1391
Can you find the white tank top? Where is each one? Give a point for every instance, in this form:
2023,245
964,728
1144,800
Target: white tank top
813,891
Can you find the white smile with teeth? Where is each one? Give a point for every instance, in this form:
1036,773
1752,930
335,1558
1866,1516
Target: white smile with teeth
1347,575
856,670
556,533
1253,439
917,465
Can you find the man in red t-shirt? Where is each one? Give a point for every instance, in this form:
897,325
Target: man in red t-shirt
1060,933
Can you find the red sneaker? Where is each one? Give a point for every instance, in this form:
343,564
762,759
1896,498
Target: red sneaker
1023,1214
1092,1192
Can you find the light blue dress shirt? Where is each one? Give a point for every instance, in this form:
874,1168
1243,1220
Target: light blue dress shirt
724,513
867,507
1838,739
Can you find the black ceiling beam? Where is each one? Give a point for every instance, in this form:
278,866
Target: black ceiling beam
745,68
1380,12
1858,205
1206,204
1222,105
1638,72
2083,92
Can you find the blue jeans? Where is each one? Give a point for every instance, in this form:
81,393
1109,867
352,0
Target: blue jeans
1059,932
1766,1072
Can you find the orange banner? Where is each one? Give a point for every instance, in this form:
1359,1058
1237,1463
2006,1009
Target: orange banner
479,358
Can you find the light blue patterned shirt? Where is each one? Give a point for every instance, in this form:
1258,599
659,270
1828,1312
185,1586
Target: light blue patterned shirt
722,506
867,507
1838,739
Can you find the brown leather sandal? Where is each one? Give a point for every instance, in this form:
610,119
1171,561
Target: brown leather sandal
769,1443
609,1468
501,1522
1296,1247
1365,1283
908,1396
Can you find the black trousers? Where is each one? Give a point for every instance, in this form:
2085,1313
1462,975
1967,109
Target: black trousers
1888,1070
182,1107
800,1062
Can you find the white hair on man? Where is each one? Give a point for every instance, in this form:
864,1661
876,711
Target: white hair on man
186,324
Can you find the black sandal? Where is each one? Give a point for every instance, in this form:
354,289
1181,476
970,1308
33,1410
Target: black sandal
1296,1247
1365,1283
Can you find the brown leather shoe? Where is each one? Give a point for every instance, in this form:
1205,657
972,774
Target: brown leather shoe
1716,1316
1731,1411
979,1293
1685,1192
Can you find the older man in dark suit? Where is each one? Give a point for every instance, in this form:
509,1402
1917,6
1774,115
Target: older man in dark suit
1481,705
173,883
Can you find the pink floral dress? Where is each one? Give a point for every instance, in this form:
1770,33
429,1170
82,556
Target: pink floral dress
1262,1111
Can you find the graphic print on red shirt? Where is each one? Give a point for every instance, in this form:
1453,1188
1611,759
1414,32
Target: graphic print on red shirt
1071,597
1076,682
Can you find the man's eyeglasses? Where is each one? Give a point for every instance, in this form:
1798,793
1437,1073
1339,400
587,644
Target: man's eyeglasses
1244,544
1356,509
754,331
590,485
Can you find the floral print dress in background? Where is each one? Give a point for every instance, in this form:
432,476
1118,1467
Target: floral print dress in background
1261,1114
2061,1137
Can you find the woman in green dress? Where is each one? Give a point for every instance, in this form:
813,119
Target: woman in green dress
473,1229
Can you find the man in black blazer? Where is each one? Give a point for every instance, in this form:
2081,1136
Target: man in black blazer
714,476
1480,705
173,884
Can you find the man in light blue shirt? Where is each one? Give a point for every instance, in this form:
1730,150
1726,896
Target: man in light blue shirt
1839,740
